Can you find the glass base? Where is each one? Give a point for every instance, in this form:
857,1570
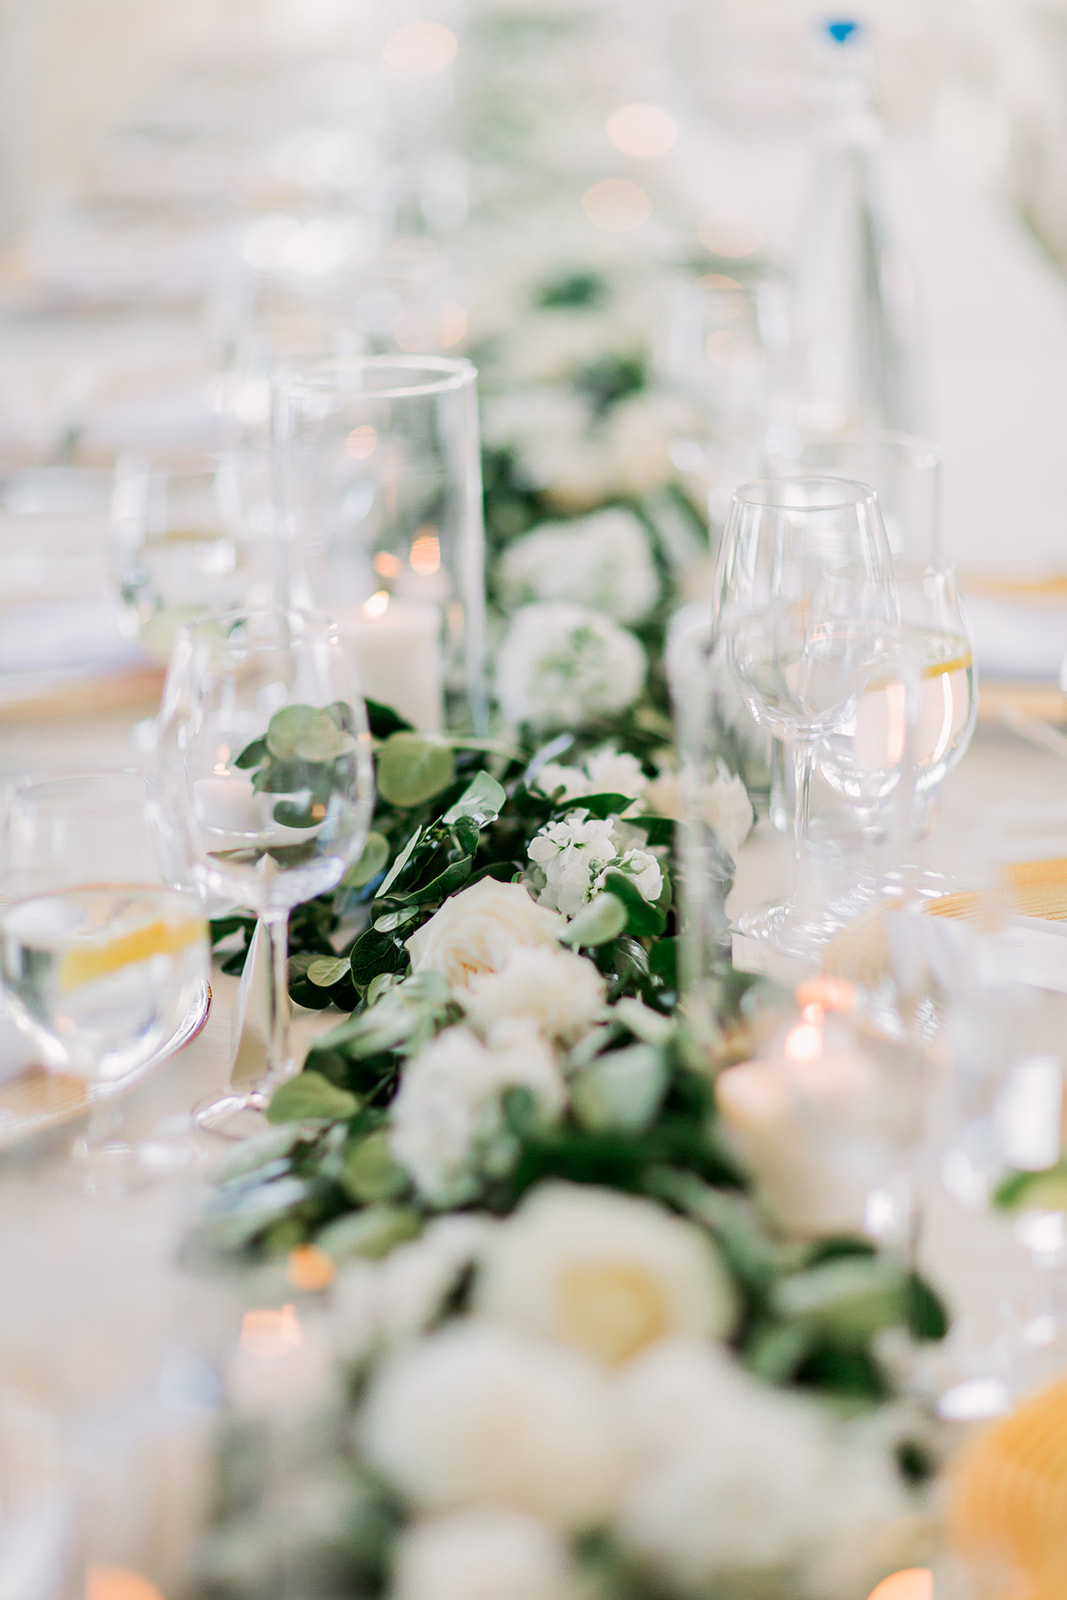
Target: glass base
108,1169
790,930
236,1115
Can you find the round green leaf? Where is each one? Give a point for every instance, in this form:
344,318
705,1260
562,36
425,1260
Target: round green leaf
306,733
603,919
311,1097
375,855
370,1172
412,768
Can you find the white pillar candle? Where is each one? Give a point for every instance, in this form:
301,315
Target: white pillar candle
801,1124
397,648
227,806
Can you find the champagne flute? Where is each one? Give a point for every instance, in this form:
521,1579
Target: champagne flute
805,607
266,776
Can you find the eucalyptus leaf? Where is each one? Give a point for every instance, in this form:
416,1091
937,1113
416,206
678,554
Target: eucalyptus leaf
413,768
296,814
307,733
600,806
392,920
644,920
370,1234
325,971
850,1298
311,1097
371,1172
374,953
602,920
255,1152
372,861
252,755
621,1091
483,800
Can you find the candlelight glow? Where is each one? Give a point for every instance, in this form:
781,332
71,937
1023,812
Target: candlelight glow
915,1583
361,442
730,234
832,994
426,552
118,1583
377,605
803,1043
642,130
420,48
271,1333
310,1268
616,205
386,565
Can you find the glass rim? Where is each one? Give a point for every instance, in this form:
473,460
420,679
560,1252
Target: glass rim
915,450
218,620
25,782
444,374
768,493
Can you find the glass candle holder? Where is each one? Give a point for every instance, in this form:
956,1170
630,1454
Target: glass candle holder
379,480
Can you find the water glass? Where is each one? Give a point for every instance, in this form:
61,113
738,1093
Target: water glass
379,478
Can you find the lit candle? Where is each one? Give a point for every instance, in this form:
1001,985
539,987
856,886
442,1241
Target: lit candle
397,648
283,1369
227,805
798,1124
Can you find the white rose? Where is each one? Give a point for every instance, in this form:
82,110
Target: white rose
604,1272
479,1415
388,1301
561,992
641,428
571,854
477,929
481,1554
447,1112
732,1468
601,561
565,665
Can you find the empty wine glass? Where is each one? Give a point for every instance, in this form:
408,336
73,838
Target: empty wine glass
805,605
266,776
105,968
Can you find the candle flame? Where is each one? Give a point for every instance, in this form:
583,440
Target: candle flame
118,1583
832,994
377,605
426,552
803,1043
914,1583
271,1332
310,1268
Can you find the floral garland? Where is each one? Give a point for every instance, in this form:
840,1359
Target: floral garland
581,1356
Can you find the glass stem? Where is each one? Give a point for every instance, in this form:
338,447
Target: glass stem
280,1064
803,767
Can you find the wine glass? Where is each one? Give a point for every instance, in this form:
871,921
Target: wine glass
266,776
805,608
915,720
81,880
178,545
379,477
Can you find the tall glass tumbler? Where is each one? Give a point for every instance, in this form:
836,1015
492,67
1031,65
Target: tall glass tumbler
378,473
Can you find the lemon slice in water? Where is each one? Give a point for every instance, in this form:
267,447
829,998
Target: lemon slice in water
84,963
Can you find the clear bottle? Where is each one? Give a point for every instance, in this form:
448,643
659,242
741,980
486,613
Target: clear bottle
853,292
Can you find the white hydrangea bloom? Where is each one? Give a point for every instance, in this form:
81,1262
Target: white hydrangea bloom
601,561
605,1272
565,665
730,1474
482,1554
561,992
479,1415
447,1112
571,854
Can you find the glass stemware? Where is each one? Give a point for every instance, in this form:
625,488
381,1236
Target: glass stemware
379,478
266,776
805,610
103,966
